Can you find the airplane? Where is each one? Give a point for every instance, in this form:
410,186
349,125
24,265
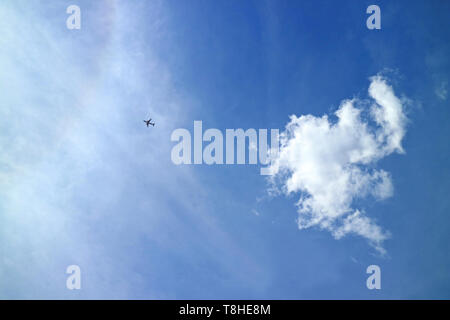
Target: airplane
148,122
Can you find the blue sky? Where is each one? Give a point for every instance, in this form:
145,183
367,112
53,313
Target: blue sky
83,181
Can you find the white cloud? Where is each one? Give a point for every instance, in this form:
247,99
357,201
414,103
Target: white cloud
441,90
330,163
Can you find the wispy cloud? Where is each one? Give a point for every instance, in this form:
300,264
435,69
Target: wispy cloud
441,90
331,163
82,181
66,131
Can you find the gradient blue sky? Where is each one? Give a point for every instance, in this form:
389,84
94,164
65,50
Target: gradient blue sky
82,181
